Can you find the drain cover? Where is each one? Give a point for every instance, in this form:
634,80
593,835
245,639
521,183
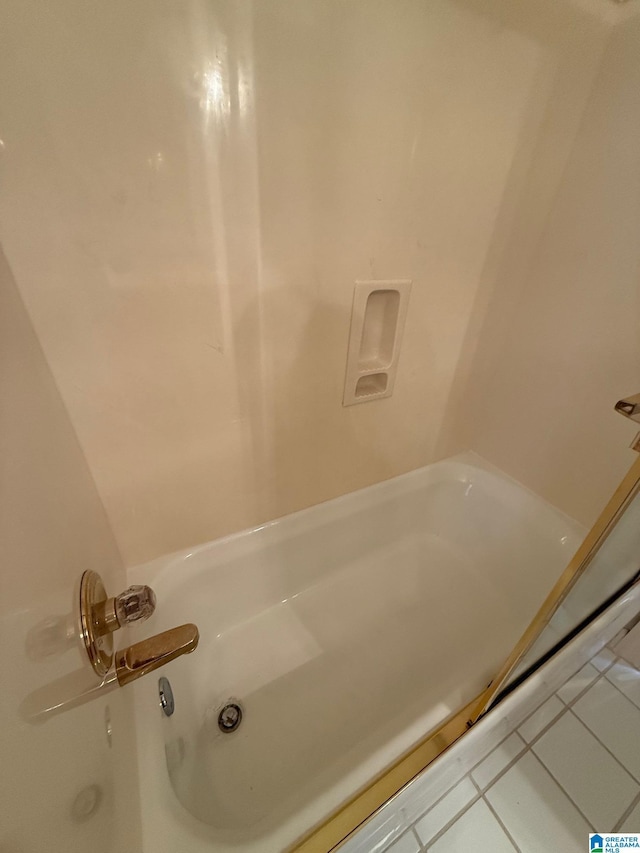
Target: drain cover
167,702
230,717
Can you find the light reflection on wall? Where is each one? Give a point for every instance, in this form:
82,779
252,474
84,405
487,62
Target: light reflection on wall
214,97
156,161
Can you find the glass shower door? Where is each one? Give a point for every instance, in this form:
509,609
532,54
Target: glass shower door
607,562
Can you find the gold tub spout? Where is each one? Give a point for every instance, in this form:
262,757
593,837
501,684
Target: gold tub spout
141,658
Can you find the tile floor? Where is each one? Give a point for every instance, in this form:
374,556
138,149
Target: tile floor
572,767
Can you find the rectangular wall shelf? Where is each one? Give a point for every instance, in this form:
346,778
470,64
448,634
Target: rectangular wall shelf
377,323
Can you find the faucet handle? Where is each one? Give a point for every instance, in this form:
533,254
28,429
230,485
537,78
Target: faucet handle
135,661
99,616
134,604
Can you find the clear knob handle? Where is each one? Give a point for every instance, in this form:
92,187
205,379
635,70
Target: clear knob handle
135,603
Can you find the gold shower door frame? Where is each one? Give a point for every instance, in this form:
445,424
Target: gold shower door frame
329,835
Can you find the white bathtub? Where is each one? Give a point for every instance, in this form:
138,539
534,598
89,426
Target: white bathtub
346,632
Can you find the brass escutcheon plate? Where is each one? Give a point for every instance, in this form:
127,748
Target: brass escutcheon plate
99,647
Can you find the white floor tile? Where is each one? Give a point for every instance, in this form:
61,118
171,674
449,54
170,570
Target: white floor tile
627,679
577,683
632,822
614,720
570,752
407,844
603,659
536,812
445,811
547,712
478,831
503,755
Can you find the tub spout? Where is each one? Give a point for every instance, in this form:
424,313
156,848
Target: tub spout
141,658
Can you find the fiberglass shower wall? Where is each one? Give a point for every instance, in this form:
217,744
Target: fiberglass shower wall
56,775
560,343
189,192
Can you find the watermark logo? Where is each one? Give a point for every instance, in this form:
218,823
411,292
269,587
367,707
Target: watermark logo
616,842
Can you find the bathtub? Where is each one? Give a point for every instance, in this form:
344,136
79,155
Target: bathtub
345,632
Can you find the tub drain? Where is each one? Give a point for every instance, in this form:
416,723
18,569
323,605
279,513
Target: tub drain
230,717
167,702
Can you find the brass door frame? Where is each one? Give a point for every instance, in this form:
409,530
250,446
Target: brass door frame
595,538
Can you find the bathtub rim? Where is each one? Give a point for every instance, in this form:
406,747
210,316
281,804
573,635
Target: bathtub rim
176,568
162,570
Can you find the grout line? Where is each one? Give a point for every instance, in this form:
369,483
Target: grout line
613,684
617,638
467,774
569,708
417,838
615,661
605,747
476,799
535,710
568,704
433,804
462,811
611,664
409,831
579,669
565,704
505,769
562,788
475,784
528,747
626,813
478,763
499,819
543,731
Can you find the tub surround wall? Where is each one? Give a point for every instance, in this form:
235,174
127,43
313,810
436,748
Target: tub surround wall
560,340
52,527
199,208
52,524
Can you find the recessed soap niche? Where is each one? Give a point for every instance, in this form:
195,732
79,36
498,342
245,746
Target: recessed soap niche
377,322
